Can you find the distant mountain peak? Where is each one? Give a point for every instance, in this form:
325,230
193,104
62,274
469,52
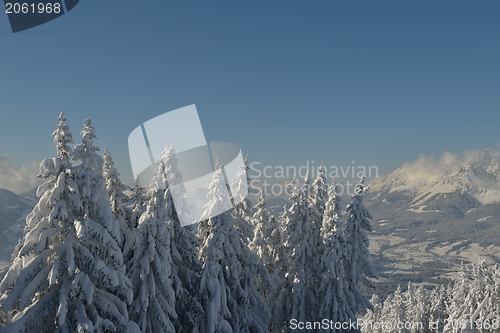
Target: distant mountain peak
476,173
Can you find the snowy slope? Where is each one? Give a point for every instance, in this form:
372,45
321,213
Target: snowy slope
13,211
434,213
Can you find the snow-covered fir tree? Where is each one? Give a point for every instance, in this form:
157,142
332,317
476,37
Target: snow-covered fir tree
154,302
213,234
118,200
229,295
242,206
417,308
214,207
358,267
396,312
373,318
138,206
150,269
69,270
333,289
318,198
114,185
438,303
447,308
474,284
63,138
258,272
281,308
298,294
86,151
167,175
267,243
186,266
282,265
165,263
186,277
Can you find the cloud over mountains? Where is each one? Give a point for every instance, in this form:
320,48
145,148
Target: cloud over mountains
18,178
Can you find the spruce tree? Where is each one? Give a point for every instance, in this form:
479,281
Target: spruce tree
63,138
219,201
242,206
267,243
298,294
397,312
69,270
151,267
165,267
358,267
186,266
282,253
281,307
439,302
333,288
213,234
229,295
475,284
318,198
275,300
118,199
114,185
138,198
373,318
267,239
417,308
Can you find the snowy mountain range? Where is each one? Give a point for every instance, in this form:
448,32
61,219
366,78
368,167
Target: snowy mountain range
432,214
13,211
476,176
456,192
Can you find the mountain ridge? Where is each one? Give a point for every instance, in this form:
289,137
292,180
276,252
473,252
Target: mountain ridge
13,211
477,176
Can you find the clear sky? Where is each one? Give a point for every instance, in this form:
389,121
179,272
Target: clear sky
377,82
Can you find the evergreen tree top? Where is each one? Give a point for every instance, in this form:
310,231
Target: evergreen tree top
86,151
295,197
361,188
218,164
63,138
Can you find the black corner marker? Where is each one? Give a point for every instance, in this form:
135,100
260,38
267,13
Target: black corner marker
70,4
26,14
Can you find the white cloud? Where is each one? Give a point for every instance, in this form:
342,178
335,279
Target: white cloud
430,167
447,163
428,171
18,178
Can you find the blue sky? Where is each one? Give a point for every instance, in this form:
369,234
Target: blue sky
289,81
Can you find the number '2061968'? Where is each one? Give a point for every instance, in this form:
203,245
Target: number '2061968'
25,8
